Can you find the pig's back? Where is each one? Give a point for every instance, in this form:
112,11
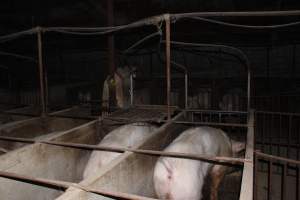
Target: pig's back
202,140
124,136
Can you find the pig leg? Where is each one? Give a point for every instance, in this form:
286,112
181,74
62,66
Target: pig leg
217,175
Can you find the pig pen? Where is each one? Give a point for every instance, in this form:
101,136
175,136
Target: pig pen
132,173
48,161
34,128
129,173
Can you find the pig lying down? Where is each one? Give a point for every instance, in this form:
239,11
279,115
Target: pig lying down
125,136
183,179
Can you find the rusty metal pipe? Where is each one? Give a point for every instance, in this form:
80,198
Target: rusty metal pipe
131,88
41,72
110,40
168,62
186,90
222,160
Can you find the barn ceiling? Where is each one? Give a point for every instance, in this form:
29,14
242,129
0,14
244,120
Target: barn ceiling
19,15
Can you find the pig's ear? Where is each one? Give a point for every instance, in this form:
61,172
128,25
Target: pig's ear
237,146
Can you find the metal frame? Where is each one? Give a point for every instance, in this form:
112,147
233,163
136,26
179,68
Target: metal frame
284,127
285,165
229,161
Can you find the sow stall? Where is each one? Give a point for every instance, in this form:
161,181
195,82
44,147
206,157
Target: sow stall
49,161
132,173
35,128
129,176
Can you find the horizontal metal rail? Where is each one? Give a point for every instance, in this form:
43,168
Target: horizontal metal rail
277,113
120,119
239,14
277,158
65,185
215,111
222,160
278,144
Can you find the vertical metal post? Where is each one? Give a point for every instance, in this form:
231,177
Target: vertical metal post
289,135
249,90
131,88
168,62
41,71
186,90
270,179
111,41
255,176
298,183
283,181
268,67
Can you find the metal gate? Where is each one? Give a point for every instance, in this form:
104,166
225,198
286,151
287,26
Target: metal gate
277,165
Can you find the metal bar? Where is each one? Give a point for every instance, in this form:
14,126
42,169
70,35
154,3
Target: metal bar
222,160
247,178
278,144
278,113
179,122
298,183
248,86
214,111
74,117
283,182
270,179
110,40
65,185
41,72
238,14
280,128
267,156
256,176
186,90
263,132
46,90
168,62
131,88
289,136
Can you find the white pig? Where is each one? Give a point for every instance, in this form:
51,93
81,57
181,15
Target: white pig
125,136
183,179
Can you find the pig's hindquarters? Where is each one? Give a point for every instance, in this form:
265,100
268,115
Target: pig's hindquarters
182,178
124,136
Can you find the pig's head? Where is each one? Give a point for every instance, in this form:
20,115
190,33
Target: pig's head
237,148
